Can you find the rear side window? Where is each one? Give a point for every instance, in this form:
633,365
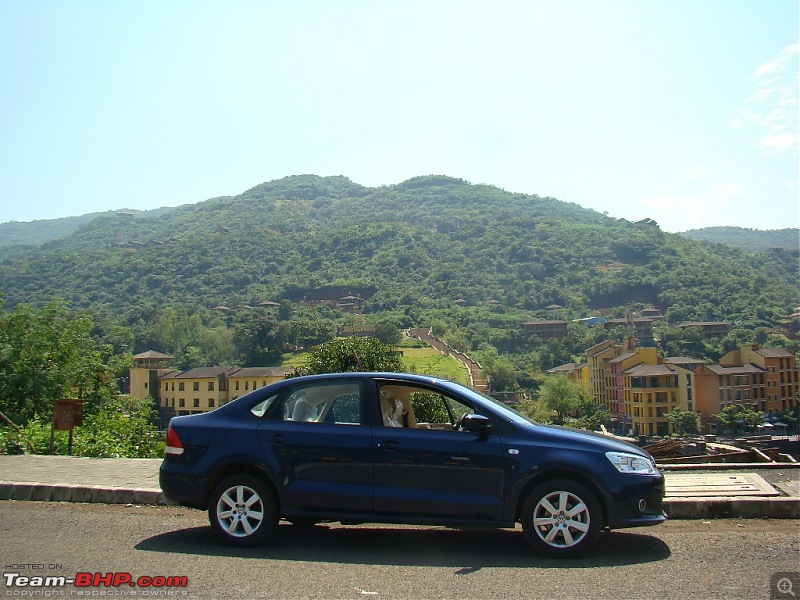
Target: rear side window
330,403
262,407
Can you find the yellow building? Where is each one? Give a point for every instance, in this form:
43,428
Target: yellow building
196,390
617,366
247,379
690,373
577,372
651,391
597,358
147,368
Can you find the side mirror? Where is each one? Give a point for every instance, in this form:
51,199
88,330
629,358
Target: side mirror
477,424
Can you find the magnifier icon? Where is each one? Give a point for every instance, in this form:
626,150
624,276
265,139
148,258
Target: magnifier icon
784,586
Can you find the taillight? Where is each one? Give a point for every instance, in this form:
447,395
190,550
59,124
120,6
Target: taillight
174,443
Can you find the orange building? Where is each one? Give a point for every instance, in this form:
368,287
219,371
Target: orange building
779,378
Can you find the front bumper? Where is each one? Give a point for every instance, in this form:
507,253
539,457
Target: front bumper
638,504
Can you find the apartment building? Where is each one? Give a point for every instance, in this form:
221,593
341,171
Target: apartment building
577,372
147,368
780,382
196,390
546,328
617,367
639,388
247,379
651,392
642,328
597,358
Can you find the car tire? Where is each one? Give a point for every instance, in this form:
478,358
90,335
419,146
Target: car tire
561,518
243,510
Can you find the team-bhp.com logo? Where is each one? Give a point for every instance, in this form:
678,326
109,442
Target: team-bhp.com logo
150,585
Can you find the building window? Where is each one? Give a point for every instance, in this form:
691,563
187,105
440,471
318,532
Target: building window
237,386
246,385
181,386
210,386
197,402
196,386
210,403
181,402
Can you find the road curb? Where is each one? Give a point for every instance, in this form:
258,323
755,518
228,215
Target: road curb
726,508
80,493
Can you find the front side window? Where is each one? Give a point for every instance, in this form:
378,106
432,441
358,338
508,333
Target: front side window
404,405
330,403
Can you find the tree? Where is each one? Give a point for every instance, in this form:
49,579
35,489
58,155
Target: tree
352,355
176,328
683,421
502,376
592,415
386,331
561,395
258,342
732,417
49,354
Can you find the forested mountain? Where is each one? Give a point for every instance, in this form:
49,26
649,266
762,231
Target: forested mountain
34,233
754,240
411,251
38,232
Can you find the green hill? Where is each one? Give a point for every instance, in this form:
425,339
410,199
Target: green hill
754,240
411,251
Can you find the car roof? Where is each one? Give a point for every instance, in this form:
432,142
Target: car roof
372,375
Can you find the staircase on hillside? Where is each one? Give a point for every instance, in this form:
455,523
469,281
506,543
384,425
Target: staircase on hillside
477,380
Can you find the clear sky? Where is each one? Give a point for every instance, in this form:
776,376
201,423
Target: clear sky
684,111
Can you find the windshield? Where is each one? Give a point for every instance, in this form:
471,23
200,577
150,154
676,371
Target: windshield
500,407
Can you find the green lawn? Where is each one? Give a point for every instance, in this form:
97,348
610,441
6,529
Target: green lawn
429,361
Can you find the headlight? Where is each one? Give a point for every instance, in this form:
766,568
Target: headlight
631,463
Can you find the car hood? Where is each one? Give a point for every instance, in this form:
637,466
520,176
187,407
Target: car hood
590,439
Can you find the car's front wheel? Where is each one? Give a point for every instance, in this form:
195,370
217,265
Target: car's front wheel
243,510
561,518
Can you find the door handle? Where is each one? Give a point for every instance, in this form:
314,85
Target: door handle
278,438
389,445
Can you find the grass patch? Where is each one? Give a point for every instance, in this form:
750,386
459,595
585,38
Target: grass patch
429,361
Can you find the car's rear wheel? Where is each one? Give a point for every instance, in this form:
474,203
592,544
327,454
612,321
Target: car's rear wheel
243,510
561,518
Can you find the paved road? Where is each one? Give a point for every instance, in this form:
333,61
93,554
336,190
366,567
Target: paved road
680,559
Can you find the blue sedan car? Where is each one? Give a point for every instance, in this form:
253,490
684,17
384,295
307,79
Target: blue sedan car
398,448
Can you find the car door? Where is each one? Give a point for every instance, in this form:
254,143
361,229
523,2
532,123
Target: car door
426,469
320,451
